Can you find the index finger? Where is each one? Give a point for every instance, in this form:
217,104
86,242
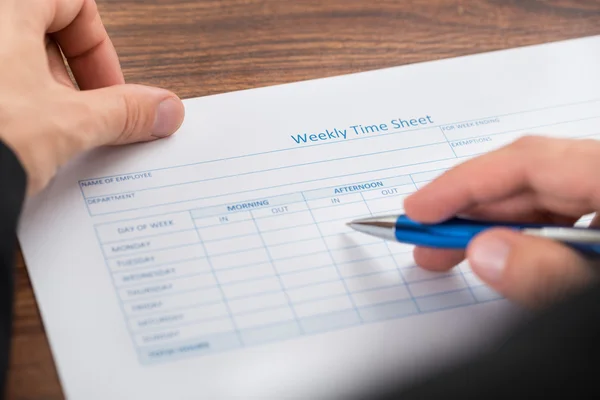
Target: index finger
557,171
77,28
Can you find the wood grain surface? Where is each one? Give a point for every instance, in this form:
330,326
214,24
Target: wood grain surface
203,47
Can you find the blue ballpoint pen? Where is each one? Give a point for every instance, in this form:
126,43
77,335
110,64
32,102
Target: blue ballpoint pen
456,233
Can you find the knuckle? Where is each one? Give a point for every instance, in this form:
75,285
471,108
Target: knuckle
131,117
134,118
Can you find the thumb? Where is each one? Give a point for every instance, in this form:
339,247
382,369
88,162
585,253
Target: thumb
530,270
124,114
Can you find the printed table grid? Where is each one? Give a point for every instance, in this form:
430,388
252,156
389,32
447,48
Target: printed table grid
222,277
207,279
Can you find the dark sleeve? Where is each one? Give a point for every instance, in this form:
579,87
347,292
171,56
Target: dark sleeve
555,353
12,194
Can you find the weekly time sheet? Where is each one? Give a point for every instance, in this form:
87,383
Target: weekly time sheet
218,264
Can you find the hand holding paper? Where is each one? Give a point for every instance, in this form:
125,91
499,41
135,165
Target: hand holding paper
43,118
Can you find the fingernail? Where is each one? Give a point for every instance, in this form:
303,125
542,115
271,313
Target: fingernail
167,118
488,258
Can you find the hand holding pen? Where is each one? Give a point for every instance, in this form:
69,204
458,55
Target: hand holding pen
533,181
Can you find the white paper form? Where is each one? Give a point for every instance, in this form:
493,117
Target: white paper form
217,263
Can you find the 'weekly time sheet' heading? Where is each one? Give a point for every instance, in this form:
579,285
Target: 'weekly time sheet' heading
336,134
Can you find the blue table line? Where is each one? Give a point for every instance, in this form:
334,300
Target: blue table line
147,297
386,196
254,154
253,327
233,252
117,296
171,294
171,310
284,185
270,256
207,271
127,254
429,180
154,251
256,233
171,264
364,259
325,221
473,155
285,288
129,269
524,129
289,227
173,277
142,238
233,223
299,241
324,315
218,283
450,307
314,333
389,177
262,171
236,281
394,258
307,209
280,272
275,260
256,310
446,141
308,202
360,138
267,325
196,321
364,307
443,292
233,315
309,285
384,303
315,180
154,281
256,218
392,211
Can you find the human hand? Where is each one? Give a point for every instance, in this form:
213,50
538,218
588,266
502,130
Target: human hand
44,119
534,179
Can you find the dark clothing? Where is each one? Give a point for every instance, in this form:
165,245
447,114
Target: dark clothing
556,354
12,194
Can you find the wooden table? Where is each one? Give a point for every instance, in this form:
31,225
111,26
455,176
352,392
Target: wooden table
203,47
